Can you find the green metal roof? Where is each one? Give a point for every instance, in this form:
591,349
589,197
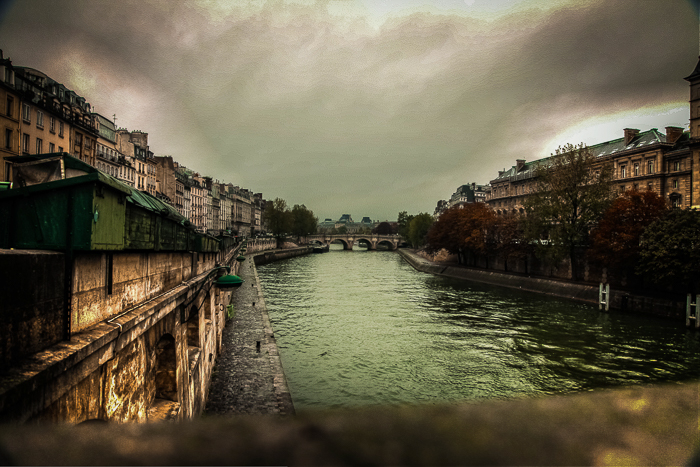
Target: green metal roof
134,196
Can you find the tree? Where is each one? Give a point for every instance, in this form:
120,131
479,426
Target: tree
616,241
572,192
383,228
279,219
404,221
670,252
509,237
303,221
418,229
462,230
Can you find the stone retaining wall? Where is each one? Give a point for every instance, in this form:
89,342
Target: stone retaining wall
619,299
277,255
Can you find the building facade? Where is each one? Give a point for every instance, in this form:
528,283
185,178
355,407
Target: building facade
9,118
649,160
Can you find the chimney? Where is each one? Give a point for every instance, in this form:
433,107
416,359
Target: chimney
630,134
519,163
673,133
473,186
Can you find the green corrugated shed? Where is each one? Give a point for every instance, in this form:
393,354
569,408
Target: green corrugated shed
91,211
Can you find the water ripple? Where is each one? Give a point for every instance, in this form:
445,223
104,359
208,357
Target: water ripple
359,327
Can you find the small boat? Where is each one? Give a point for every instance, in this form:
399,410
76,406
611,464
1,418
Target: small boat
320,249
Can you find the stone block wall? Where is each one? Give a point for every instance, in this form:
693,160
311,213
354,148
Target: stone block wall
99,294
32,314
142,357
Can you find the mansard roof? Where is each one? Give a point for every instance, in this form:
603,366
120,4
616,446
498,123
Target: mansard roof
646,138
695,74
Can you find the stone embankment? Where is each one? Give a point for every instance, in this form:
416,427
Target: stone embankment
248,377
574,291
673,307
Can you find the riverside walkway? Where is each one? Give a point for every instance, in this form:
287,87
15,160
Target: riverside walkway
248,376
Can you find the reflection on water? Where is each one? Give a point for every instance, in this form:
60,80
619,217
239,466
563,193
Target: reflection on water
363,327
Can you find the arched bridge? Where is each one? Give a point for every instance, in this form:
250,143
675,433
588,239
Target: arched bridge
348,240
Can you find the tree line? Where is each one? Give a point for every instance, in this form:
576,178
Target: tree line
282,221
575,214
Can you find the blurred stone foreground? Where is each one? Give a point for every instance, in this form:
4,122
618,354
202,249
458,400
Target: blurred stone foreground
653,425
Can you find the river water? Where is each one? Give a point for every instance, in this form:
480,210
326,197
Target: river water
363,327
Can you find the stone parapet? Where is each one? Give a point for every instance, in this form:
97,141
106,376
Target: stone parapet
645,425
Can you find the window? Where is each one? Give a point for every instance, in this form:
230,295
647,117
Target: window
39,144
60,149
622,189
26,113
623,171
636,169
52,147
78,139
60,129
52,125
675,184
650,167
10,106
8,138
676,201
25,143
40,119
677,165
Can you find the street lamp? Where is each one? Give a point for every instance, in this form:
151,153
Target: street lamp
225,282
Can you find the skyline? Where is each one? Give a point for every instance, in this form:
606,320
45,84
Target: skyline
363,107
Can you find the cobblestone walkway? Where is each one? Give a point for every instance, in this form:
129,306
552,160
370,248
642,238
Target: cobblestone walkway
248,377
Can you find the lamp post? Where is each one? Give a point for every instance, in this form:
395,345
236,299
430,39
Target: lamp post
225,282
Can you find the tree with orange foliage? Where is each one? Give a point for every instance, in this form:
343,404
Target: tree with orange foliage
615,242
509,237
462,230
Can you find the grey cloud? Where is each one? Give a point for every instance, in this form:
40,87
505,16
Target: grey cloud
339,117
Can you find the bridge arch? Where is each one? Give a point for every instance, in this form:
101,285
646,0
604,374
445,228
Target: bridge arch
386,243
366,240
345,243
165,402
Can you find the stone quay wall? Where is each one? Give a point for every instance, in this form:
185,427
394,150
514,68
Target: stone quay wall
143,342
673,307
278,255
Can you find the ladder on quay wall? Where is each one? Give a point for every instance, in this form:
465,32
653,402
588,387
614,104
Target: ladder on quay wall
604,297
689,315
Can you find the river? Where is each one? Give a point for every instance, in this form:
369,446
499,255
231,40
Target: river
363,327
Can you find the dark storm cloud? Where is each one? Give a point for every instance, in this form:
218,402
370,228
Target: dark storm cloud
295,102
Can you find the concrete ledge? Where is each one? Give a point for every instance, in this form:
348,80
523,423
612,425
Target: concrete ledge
655,425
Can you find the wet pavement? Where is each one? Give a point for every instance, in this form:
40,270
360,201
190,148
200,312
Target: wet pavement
248,377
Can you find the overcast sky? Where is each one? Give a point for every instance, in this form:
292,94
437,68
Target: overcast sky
365,107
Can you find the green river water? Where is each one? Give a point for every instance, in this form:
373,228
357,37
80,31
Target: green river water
363,327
